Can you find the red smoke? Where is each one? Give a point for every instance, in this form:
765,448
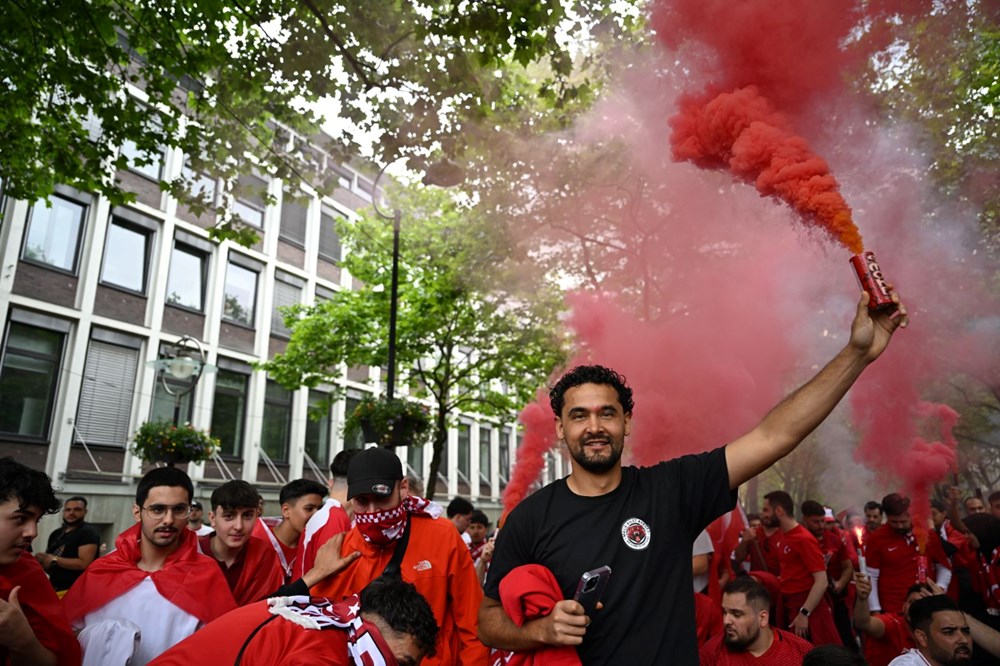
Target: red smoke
709,298
740,131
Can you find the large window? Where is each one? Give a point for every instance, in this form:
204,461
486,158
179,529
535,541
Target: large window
240,295
126,256
186,281
54,232
277,421
287,292
318,429
415,459
107,389
165,404
28,379
229,410
329,241
506,443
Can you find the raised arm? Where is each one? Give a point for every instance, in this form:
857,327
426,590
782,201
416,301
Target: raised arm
797,415
863,618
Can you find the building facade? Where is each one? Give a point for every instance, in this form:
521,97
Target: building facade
92,295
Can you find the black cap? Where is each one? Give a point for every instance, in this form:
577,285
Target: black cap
196,504
374,471
479,518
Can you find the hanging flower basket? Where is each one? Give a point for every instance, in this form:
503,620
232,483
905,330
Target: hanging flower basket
395,422
162,441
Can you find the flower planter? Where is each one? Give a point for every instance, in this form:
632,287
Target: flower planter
396,422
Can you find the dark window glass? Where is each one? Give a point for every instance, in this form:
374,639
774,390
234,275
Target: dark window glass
165,405
229,411
415,459
318,431
506,441
28,380
126,257
484,453
241,294
186,281
358,441
464,445
277,421
53,235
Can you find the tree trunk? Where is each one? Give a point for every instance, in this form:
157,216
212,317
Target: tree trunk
440,441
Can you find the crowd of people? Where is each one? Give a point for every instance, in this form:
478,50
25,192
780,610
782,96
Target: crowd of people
612,564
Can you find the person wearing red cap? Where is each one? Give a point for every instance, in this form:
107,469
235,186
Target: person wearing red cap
33,628
404,535
155,578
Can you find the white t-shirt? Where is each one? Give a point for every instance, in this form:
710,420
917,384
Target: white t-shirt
162,623
910,658
702,546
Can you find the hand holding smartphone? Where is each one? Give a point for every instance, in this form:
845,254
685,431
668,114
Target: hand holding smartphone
590,589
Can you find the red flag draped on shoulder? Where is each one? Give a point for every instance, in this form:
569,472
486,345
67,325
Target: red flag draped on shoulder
725,532
189,580
41,606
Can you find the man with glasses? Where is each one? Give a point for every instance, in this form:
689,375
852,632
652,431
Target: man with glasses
155,583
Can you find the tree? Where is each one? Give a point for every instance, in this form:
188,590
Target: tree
469,340
231,84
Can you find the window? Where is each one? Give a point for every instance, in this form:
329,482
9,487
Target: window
287,292
124,245
464,446
229,410
106,392
186,281
415,459
240,295
28,379
146,164
54,232
277,421
202,186
329,241
318,430
294,218
506,441
358,441
165,405
484,453
249,201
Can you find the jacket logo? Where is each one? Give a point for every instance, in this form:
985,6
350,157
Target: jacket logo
636,534
422,565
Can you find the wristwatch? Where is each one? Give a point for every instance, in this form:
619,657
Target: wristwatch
55,559
804,611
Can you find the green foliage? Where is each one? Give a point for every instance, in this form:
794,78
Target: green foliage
162,440
468,339
396,422
224,82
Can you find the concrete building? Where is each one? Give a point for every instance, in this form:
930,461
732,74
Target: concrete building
92,295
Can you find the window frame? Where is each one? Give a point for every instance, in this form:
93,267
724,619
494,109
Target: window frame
117,219
236,260
272,402
182,246
32,320
81,232
239,444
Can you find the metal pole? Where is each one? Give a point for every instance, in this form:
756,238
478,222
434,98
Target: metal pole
390,382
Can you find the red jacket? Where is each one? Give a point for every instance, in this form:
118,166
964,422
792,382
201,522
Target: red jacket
41,607
437,562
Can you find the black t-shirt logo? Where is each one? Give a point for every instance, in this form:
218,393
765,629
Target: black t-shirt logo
636,534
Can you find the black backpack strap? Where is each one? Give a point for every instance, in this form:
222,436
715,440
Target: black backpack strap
393,569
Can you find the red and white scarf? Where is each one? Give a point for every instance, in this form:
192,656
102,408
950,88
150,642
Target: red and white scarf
383,527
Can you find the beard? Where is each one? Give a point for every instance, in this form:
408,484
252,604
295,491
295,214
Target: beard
598,464
740,643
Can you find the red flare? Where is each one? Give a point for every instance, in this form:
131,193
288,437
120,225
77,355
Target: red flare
538,439
741,132
860,533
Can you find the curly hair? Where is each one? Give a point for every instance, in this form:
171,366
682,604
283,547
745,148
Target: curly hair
28,486
403,608
590,374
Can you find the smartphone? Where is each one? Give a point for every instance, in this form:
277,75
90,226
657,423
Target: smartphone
590,589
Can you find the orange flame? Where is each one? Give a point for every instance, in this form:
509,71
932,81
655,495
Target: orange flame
858,532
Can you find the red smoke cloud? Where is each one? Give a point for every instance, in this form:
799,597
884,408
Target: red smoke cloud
740,131
715,302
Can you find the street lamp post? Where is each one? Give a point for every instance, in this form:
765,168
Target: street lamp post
443,173
185,363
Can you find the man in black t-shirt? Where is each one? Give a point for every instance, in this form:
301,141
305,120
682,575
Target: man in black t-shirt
72,547
642,522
